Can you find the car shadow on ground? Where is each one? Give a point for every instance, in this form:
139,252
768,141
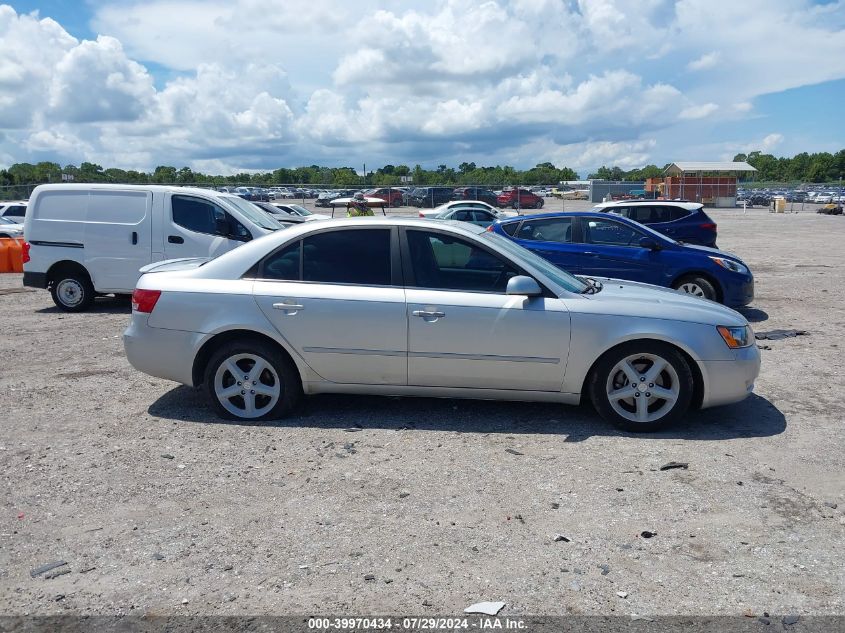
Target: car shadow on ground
754,417
101,305
754,315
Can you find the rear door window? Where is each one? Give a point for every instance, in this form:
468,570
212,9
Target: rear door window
354,256
678,213
551,230
283,265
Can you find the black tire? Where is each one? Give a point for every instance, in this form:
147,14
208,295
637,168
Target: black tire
601,375
291,386
708,291
539,204
72,291
515,205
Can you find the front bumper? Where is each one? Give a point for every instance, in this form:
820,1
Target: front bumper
161,353
739,293
728,381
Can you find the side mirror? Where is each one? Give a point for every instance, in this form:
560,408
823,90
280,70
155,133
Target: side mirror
221,227
649,243
525,286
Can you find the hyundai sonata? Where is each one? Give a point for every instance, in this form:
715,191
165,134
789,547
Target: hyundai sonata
397,306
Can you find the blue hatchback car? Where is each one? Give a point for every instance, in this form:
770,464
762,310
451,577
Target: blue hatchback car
681,220
605,245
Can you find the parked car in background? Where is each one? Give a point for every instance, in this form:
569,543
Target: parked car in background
469,204
324,307
430,196
393,197
759,200
519,199
475,193
682,221
604,245
479,217
15,210
298,210
9,227
282,217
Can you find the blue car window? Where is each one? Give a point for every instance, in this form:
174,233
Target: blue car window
610,233
551,230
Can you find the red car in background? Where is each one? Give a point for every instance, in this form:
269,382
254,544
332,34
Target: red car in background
526,199
392,197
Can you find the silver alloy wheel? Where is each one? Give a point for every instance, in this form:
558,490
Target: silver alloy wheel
643,387
692,288
70,292
247,386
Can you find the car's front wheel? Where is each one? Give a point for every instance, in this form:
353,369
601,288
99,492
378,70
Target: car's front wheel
642,386
698,286
247,380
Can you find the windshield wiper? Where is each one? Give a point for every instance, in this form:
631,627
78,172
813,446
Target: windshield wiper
593,286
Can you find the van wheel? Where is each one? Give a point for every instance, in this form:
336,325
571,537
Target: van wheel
72,292
642,386
698,286
250,381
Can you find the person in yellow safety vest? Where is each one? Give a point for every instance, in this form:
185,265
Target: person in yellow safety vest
358,207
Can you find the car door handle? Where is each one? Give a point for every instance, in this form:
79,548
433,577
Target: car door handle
591,254
175,239
134,237
427,314
288,306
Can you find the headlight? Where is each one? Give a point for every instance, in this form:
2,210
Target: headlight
737,337
731,265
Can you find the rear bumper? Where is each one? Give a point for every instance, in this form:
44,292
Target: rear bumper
162,353
728,381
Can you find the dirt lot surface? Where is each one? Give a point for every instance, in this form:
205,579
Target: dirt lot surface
362,505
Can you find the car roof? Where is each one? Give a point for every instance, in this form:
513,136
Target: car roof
115,187
691,206
564,214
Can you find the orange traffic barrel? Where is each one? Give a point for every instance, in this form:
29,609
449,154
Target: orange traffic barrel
11,255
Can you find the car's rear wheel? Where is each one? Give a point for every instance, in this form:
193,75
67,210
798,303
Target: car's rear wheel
698,286
72,292
250,381
642,386
539,204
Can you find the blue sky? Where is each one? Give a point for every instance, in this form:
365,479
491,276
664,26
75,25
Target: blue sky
259,84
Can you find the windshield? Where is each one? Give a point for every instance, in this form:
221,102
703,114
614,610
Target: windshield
560,277
299,210
254,214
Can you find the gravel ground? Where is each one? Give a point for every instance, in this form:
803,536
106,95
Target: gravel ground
362,505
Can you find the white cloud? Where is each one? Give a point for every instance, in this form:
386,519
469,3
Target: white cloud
263,83
705,62
770,141
698,111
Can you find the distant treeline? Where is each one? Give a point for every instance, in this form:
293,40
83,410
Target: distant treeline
804,167
466,173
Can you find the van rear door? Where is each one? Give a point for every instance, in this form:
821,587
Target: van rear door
118,237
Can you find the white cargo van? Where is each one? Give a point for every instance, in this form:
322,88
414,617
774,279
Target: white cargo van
89,239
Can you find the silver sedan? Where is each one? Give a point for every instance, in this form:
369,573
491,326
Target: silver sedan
397,306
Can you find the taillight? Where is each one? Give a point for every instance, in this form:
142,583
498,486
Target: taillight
708,225
421,214
145,300
25,252
489,228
